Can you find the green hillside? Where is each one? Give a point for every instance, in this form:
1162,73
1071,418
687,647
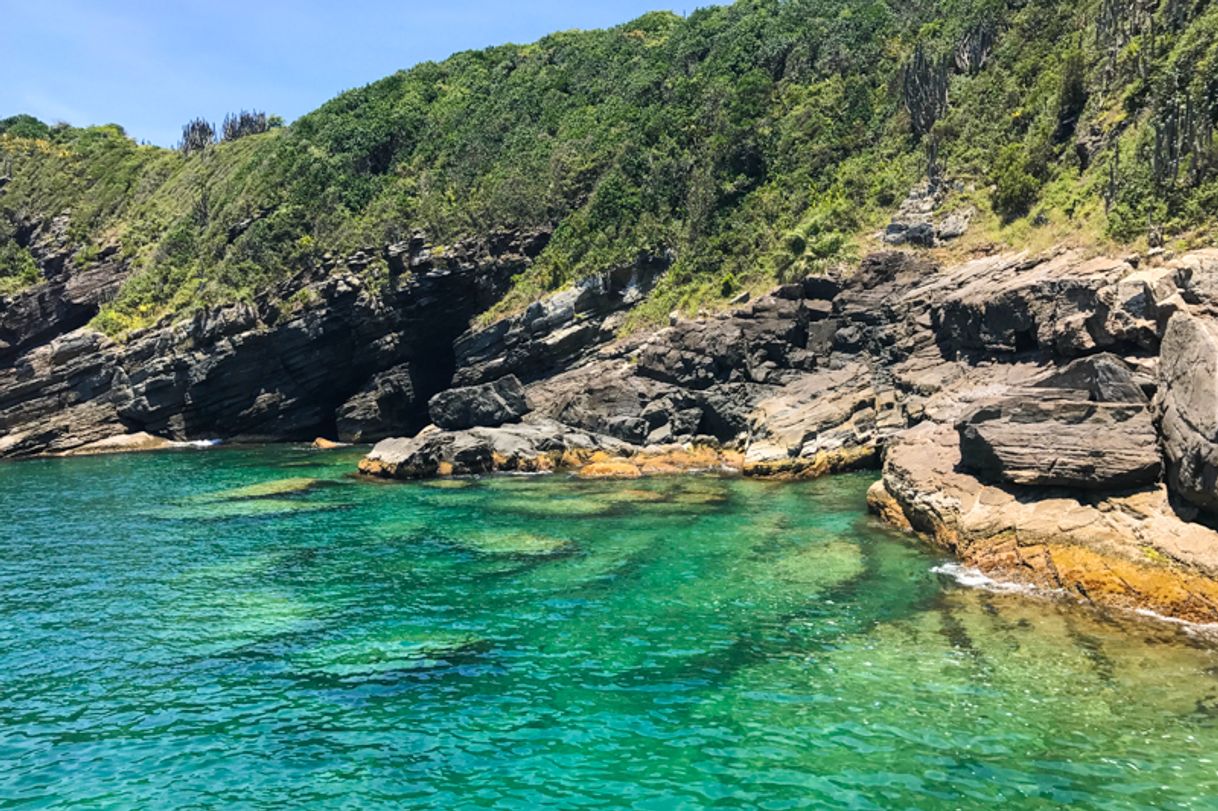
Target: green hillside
753,142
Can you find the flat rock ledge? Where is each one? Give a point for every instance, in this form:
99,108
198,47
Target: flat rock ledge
1127,550
122,443
539,446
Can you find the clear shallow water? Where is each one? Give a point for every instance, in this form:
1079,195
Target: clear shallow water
253,628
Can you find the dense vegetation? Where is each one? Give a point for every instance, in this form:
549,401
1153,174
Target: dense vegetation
750,142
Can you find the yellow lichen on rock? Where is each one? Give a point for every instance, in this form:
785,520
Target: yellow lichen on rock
822,463
1128,551
882,504
610,469
685,458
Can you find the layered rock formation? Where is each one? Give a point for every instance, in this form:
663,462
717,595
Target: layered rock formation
487,404
1187,402
1097,437
331,354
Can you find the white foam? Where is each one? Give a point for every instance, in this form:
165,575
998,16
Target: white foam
976,579
198,443
1209,630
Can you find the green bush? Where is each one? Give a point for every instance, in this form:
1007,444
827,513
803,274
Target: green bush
1015,188
1072,96
24,126
18,269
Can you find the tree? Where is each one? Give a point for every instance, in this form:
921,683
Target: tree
239,125
1015,188
197,136
1071,97
24,126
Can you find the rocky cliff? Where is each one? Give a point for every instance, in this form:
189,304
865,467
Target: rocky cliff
329,353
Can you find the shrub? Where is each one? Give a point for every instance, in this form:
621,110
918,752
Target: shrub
1072,97
239,125
24,126
746,142
18,269
1015,188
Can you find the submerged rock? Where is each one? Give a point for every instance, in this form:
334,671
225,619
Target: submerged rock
271,489
577,507
821,565
269,507
515,543
383,654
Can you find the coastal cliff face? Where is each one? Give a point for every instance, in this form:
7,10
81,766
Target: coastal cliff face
328,354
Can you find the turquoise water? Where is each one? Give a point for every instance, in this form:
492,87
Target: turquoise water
257,629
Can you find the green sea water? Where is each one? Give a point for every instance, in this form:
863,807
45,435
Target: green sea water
255,628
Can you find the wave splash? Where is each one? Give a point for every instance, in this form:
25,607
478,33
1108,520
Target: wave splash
976,579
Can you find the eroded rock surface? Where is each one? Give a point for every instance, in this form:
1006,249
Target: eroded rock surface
1059,440
1053,476
324,351
821,375
1127,550
386,406
1187,405
487,405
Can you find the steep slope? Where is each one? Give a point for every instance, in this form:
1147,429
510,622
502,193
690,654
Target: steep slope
750,140
738,147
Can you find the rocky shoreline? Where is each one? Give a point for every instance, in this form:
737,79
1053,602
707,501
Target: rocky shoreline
1048,419
1018,405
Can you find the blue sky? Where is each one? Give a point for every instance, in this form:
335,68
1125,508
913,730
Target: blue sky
152,66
